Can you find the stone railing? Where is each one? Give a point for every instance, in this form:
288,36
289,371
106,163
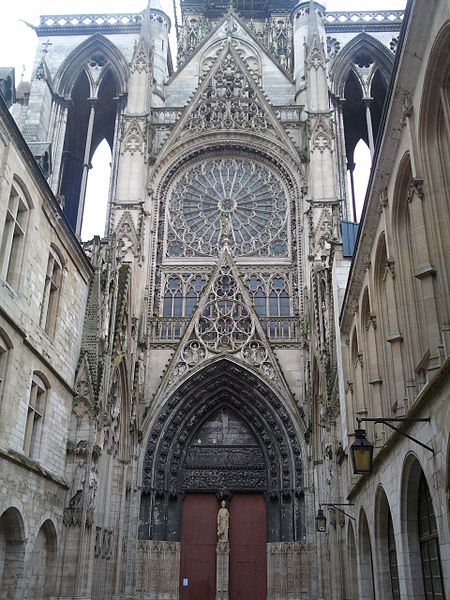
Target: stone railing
69,24
370,20
165,116
281,329
289,114
277,329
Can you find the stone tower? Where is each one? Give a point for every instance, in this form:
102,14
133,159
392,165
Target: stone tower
208,368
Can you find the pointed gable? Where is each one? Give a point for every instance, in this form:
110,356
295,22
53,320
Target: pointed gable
224,324
229,99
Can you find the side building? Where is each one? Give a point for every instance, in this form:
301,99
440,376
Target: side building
395,335
44,283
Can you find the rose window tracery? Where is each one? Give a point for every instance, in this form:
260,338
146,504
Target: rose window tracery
225,323
244,194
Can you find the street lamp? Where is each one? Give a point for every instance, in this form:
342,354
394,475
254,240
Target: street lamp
321,521
362,449
362,453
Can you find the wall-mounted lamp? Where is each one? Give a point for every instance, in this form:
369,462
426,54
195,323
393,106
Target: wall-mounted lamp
321,520
362,449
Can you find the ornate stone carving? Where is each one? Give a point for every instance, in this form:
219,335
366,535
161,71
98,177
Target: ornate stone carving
133,138
249,193
223,523
194,30
333,47
315,56
141,59
228,101
415,189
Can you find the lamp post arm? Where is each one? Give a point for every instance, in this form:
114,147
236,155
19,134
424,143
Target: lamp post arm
409,437
389,422
343,512
336,507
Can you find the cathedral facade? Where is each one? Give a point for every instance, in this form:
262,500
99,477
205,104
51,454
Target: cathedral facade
179,397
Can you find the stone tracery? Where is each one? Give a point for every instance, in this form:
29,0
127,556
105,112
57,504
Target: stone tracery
250,194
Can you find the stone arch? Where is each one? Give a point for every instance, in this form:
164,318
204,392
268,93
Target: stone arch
342,65
42,579
408,257
360,76
434,144
12,552
70,68
92,77
117,435
169,463
413,476
350,573
366,573
386,549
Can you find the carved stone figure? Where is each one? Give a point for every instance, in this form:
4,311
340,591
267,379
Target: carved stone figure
223,523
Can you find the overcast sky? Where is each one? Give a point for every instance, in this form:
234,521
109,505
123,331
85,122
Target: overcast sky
18,43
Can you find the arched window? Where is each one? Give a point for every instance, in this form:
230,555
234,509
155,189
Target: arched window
258,292
194,289
429,545
393,568
5,346
173,298
35,417
94,78
52,290
279,298
14,232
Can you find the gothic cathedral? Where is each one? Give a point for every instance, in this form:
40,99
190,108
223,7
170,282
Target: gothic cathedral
185,399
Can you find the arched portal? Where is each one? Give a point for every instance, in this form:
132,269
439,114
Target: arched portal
175,463
223,434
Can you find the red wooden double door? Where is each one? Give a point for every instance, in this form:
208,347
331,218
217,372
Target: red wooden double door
247,547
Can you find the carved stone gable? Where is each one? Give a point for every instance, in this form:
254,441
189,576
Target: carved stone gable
224,323
228,100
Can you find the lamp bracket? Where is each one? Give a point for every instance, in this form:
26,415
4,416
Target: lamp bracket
336,507
389,422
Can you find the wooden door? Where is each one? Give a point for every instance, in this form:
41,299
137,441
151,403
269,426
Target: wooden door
248,538
198,547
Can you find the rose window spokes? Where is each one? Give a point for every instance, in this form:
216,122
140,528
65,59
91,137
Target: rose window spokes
245,193
225,323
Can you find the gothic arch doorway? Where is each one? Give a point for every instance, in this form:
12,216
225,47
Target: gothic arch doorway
223,434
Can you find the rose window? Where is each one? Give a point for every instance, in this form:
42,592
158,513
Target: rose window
244,194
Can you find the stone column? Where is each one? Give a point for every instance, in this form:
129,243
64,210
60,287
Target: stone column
222,570
86,164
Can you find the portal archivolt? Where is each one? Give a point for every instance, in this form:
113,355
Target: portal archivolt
223,431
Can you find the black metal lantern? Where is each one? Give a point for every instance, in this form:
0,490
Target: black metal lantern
321,521
362,453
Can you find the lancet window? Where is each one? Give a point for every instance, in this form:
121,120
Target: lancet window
270,295
181,295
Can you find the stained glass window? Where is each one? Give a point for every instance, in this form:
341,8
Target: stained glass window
244,194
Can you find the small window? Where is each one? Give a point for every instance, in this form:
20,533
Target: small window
13,240
50,299
35,417
5,346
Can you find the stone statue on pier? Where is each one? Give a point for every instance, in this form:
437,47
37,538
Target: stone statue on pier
223,523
